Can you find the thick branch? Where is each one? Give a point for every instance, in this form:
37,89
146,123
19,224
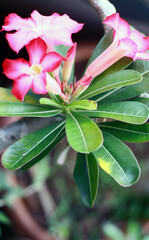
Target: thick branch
104,8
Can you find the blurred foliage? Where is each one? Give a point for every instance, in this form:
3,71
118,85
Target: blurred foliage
127,209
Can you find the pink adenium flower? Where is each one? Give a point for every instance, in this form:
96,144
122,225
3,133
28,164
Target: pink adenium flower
126,42
32,74
54,29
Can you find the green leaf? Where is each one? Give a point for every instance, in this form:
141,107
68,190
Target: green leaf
141,66
128,92
115,80
82,133
4,219
142,100
26,110
61,49
127,132
116,159
86,175
6,96
31,146
51,102
45,152
83,104
130,112
113,232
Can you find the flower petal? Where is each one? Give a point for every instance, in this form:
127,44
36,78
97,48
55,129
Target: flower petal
21,86
20,38
141,41
39,84
15,68
54,29
51,61
121,27
52,85
130,47
24,31
57,29
143,56
36,50
15,22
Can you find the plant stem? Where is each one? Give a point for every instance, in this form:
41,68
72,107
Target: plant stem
104,9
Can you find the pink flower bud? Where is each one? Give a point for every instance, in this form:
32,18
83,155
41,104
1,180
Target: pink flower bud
52,86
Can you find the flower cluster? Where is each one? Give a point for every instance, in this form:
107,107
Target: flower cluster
40,34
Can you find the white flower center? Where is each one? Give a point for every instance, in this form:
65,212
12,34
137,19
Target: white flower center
35,69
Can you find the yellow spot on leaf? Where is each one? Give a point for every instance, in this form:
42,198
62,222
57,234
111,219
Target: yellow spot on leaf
105,165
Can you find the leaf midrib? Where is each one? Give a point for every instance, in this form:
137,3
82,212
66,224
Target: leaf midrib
106,87
38,144
85,145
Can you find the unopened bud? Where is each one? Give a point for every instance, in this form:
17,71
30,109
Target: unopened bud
68,64
52,86
81,86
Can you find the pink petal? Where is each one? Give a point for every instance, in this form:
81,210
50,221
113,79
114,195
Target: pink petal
15,22
66,22
21,86
121,27
130,47
36,50
15,68
58,29
24,31
52,85
57,37
39,84
70,56
143,56
20,38
51,61
42,20
141,41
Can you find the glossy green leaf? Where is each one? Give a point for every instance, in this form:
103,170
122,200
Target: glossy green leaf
7,96
82,133
143,100
51,102
86,176
129,111
31,146
61,49
44,153
83,104
116,159
115,80
26,110
141,66
128,92
127,132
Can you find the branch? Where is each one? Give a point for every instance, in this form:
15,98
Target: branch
21,128
104,9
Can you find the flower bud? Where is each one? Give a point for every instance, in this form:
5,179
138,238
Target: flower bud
68,64
52,86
